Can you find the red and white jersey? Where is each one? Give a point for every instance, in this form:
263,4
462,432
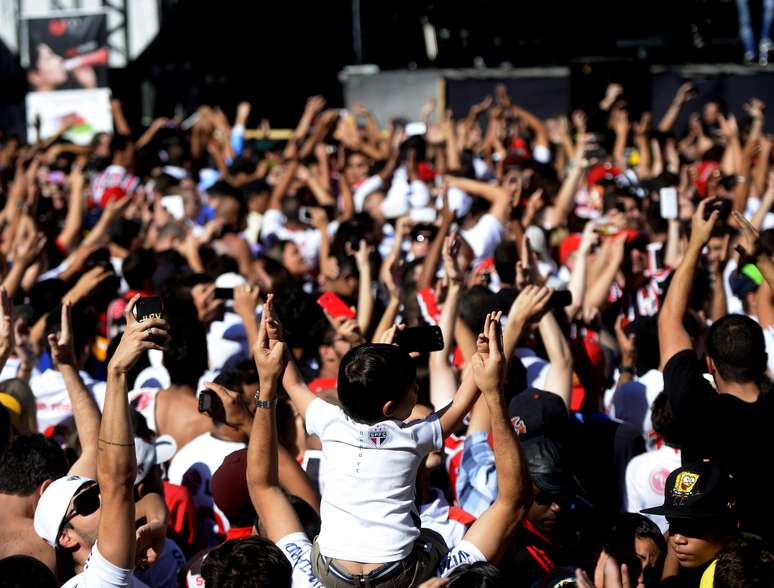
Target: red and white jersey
644,301
113,176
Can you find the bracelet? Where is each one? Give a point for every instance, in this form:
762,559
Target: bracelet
116,444
264,403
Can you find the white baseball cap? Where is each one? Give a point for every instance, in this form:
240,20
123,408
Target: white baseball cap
161,450
53,504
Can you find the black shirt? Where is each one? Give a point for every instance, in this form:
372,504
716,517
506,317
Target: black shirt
736,434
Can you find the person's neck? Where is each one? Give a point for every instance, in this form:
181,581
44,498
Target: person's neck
184,388
329,370
12,506
230,434
747,391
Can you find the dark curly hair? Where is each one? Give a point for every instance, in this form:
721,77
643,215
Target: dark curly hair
29,461
253,562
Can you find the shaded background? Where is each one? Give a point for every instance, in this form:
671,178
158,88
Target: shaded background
275,54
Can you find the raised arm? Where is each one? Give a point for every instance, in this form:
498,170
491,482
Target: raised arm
365,300
85,409
300,394
559,377
605,269
451,416
684,93
577,285
529,306
672,335
116,462
749,247
274,510
75,205
499,197
442,380
491,532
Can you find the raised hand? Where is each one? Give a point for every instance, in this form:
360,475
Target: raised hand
137,338
748,246
62,349
701,228
451,268
626,343
246,299
270,360
29,247
236,412
531,303
489,367
271,323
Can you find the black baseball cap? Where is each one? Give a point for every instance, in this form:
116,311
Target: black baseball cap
701,490
537,413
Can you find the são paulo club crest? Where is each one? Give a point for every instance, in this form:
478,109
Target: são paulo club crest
378,436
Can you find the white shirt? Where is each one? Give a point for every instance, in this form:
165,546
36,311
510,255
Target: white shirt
449,522
297,548
307,240
367,507
193,467
646,476
100,573
484,236
52,399
11,369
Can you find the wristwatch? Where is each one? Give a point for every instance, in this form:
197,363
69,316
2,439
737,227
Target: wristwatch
264,403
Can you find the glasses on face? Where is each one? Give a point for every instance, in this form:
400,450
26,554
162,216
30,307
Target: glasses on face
85,502
548,498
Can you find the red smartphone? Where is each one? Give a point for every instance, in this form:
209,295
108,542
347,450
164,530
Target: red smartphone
335,306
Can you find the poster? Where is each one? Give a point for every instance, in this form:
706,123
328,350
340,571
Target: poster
66,54
87,112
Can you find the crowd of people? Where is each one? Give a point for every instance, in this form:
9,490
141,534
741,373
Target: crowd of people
476,349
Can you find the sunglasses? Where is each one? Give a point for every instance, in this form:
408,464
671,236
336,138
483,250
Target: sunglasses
85,503
547,498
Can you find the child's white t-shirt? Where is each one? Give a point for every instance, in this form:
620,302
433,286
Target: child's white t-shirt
367,508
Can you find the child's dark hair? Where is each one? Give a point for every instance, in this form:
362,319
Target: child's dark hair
371,375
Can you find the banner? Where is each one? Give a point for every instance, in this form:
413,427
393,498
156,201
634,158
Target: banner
86,112
67,52
66,55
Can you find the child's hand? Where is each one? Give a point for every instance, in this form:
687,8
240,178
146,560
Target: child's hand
489,367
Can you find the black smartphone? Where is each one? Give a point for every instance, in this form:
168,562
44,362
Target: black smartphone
224,293
722,205
560,299
211,404
148,308
422,339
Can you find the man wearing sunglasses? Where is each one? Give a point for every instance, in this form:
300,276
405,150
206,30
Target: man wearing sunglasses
95,520
700,507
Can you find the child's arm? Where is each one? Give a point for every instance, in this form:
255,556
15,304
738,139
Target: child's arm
467,394
300,394
452,414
